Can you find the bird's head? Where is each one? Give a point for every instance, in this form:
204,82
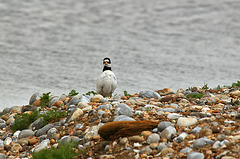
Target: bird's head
106,62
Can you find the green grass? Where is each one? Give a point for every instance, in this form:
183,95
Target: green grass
205,86
195,95
45,100
126,93
237,84
23,121
66,151
90,92
73,93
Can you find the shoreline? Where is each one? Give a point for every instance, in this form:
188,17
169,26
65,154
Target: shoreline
197,122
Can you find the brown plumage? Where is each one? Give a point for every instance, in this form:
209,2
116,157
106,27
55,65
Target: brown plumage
116,129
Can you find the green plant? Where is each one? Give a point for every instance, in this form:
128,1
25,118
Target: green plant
53,115
66,151
45,98
23,121
218,87
205,86
237,84
90,92
195,95
126,93
72,93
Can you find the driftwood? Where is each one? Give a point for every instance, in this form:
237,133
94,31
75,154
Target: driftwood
116,129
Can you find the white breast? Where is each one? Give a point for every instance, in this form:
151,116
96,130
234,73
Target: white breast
106,83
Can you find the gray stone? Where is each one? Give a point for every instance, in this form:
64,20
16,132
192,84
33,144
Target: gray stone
197,129
93,131
171,110
174,116
100,113
163,125
202,142
1,143
6,110
148,94
7,141
41,146
84,99
186,150
75,114
51,132
74,101
65,139
37,124
195,155
146,150
168,132
2,156
2,125
34,98
124,118
25,133
44,130
123,109
153,138
161,146
78,126
216,144
106,106
175,105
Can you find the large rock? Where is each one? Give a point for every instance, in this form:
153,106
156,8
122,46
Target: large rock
36,96
195,155
116,129
168,132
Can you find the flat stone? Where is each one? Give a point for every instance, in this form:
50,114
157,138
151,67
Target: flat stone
146,150
25,133
183,121
202,142
124,118
44,130
174,116
148,94
186,150
195,155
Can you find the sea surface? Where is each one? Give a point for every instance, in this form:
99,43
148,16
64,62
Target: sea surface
58,46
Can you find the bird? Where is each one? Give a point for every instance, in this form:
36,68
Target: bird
107,81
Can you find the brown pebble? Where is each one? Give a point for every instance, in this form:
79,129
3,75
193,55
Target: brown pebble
58,104
37,103
33,141
190,137
145,134
95,138
205,132
215,129
136,138
166,151
52,141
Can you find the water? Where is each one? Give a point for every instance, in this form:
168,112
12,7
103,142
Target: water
57,46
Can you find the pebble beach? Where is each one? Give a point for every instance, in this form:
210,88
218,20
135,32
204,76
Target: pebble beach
195,123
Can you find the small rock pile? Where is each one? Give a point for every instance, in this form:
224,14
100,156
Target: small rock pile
183,125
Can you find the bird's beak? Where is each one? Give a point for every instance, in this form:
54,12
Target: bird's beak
106,63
